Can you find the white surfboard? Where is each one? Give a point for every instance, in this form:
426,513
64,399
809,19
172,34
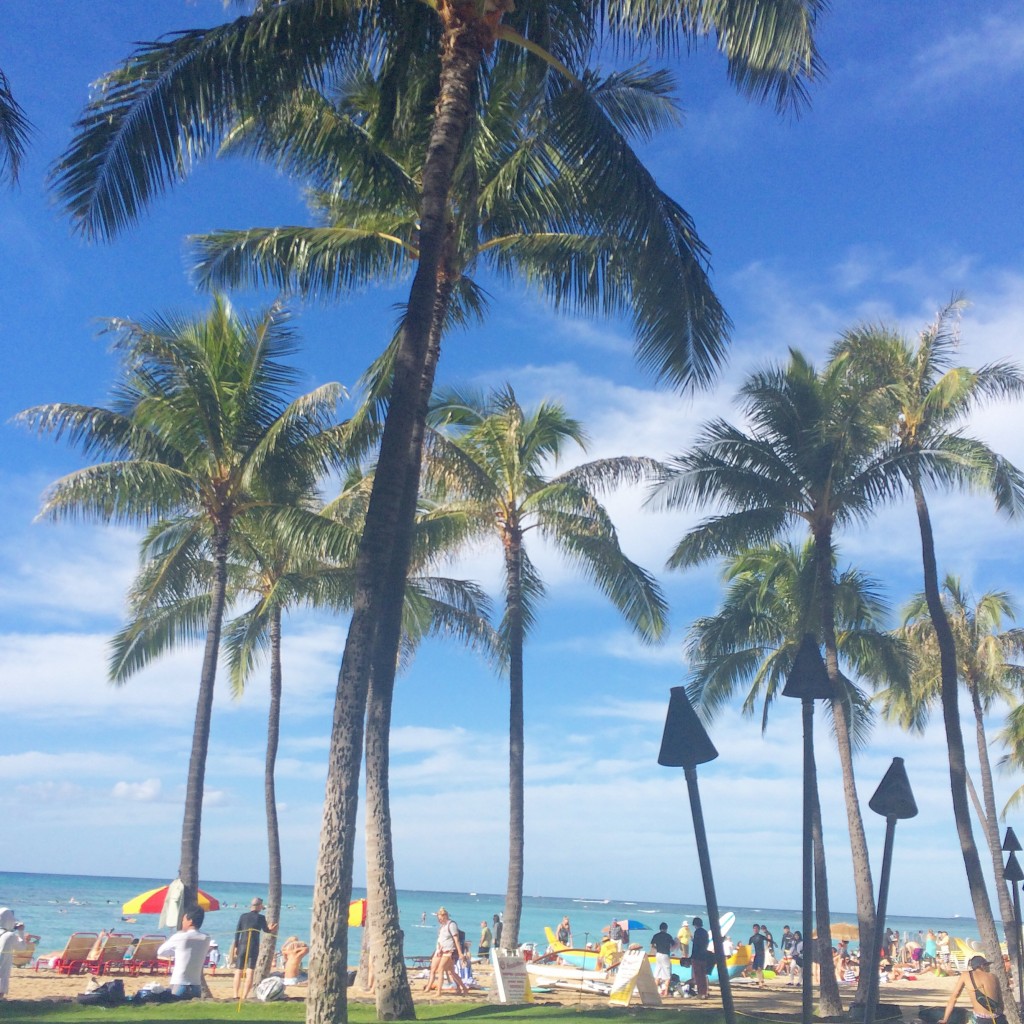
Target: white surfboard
725,922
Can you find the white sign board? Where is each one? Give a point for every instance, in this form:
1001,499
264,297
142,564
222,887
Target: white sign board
511,982
634,975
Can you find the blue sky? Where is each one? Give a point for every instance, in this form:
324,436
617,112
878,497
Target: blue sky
899,185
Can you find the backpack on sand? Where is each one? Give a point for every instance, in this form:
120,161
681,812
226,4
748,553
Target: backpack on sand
270,989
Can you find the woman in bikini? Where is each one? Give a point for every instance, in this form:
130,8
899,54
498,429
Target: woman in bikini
983,988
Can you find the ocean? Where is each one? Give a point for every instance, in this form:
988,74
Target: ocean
54,906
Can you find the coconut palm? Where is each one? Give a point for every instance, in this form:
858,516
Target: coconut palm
492,476
172,100
529,217
770,606
929,397
14,132
201,434
984,666
813,457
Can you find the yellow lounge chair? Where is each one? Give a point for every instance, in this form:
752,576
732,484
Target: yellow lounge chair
23,956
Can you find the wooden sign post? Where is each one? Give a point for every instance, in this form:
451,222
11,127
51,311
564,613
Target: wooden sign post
634,975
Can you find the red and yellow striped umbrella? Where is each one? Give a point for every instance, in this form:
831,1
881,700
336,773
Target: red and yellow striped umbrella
152,902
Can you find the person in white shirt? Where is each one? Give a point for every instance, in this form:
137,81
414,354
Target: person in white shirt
188,947
12,937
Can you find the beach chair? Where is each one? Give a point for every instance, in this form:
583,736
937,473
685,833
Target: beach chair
111,959
23,956
144,956
74,958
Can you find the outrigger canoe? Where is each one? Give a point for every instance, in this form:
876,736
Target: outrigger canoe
584,960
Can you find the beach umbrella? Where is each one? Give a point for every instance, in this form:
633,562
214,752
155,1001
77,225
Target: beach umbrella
152,902
845,930
635,926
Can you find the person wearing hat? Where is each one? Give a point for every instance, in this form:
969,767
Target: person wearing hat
986,999
245,950
683,938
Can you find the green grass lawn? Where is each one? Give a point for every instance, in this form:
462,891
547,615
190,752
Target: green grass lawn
42,1012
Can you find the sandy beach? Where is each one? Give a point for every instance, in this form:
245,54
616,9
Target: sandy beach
777,999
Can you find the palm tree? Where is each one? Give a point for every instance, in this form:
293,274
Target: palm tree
812,457
492,477
769,607
172,100
433,606
984,667
14,132
529,216
200,435
928,399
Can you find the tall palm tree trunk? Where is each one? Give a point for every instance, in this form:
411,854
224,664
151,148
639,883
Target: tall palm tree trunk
957,757
863,886
990,827
390,985
391,981
268,940
516,744
327,1003
830,1003
191,827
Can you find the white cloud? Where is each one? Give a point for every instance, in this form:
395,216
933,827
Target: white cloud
976,57
137,792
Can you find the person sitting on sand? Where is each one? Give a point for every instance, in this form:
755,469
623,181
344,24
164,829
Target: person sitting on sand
293,951
986,999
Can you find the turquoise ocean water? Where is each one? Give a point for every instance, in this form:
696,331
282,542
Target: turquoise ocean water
54,906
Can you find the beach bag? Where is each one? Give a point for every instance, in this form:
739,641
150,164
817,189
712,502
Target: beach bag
110,993
270,989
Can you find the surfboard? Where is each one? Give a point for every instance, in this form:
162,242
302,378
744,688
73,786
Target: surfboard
726,921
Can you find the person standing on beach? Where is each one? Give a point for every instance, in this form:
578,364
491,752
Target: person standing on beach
564,933
683,938
12,937
246,949
497,931
798,958
699,958
758,942
188,947
986,999
662,943
484,949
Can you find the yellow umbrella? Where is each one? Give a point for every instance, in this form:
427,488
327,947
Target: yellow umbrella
845,930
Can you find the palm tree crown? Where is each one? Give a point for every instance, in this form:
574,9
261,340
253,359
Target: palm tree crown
201,434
